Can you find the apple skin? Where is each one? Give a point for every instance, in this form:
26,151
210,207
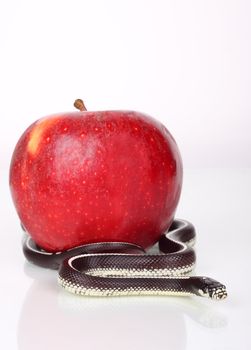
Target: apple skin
83,177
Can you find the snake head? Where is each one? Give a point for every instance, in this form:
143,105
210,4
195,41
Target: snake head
212,289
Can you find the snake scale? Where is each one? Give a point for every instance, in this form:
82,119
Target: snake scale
117,268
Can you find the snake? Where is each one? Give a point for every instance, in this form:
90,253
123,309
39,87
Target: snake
124,269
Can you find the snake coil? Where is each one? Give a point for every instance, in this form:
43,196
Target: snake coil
117,268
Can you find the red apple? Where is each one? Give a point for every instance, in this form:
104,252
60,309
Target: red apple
84,177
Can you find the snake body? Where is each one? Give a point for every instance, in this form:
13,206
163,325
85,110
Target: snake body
117,268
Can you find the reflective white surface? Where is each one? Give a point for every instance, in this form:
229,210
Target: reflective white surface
37,314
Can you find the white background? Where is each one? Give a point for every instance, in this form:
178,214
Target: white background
187,63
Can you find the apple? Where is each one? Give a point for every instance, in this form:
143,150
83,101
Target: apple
82,177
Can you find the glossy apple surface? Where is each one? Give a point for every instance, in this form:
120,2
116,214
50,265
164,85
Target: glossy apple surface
84,177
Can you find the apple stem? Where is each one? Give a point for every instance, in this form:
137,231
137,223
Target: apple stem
79,104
